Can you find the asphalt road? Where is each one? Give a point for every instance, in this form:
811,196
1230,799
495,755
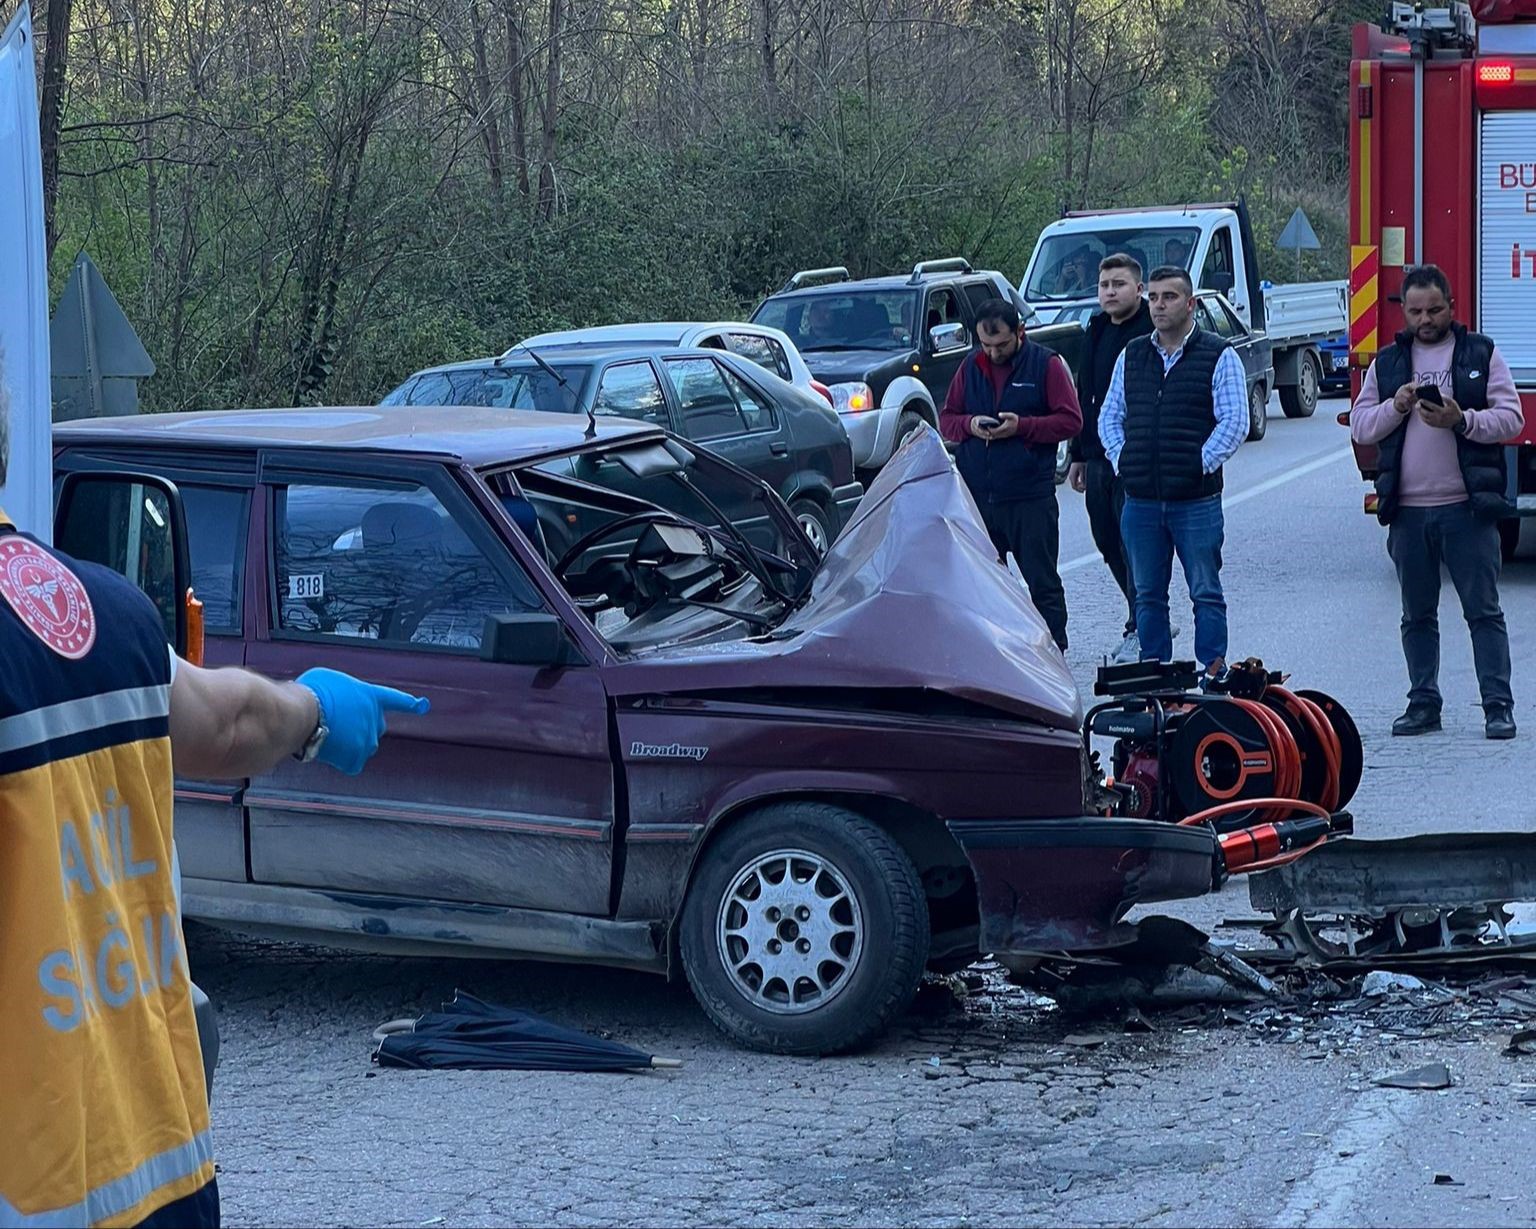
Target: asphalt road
981,1114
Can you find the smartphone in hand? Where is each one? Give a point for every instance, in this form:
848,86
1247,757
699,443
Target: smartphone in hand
989,424
1429,393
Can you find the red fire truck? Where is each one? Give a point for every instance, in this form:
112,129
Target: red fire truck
1443,170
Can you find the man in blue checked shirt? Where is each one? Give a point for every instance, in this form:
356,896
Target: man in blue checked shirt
1176,410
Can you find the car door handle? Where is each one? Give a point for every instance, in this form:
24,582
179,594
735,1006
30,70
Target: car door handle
779,450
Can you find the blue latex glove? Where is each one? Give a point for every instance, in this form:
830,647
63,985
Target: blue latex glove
354,711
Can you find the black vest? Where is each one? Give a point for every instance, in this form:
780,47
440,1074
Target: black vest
1168,418
1096,370
1004,471
1482,465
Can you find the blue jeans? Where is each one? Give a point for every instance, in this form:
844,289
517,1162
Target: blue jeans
1153,531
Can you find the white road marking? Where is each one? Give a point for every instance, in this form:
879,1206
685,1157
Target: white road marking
1253,492
1327,1195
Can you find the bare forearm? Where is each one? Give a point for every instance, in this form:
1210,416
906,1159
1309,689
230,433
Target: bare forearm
229,724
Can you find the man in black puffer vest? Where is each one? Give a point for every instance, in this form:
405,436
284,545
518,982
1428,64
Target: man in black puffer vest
1010,404
1123,317
1176,410
1441,490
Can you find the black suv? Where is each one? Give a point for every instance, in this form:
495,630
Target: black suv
888,347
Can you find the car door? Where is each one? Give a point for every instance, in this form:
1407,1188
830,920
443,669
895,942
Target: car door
719,408
216,493
1217,271
1213,315
504,793
942,306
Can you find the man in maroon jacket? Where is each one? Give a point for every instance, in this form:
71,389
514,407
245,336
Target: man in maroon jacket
1010,404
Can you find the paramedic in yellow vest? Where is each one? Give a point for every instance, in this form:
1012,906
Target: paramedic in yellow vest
102,1096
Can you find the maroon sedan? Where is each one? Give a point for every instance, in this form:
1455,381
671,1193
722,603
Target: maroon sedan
664,733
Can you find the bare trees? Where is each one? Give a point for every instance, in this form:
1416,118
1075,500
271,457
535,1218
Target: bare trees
301,203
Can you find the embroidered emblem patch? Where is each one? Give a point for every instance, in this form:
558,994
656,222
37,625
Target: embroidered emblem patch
47,597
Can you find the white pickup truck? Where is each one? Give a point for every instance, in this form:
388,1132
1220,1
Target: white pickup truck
1215,242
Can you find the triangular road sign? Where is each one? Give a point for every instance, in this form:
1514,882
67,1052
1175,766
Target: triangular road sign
1298,234
89,337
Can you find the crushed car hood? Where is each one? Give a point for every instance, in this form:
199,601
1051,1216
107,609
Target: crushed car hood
910,596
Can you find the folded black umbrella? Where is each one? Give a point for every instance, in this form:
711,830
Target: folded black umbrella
471,1034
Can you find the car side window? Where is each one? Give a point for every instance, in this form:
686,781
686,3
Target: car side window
388,564
217,518
977,293
1237,327
1214,319
763,351
1216,272
944,308
631,390
755,409
101,530
709,411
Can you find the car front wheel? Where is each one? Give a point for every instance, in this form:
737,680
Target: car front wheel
805,930
814,523
1258,412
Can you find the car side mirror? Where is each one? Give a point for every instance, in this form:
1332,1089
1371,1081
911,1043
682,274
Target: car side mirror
135,525
1221,282
536,639
948,337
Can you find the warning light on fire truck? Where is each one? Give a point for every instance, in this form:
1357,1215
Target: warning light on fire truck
1495,73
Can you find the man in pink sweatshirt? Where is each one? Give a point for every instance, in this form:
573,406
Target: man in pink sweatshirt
1441,490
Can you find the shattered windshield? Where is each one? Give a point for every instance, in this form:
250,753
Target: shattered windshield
851,320
659,544
1067,266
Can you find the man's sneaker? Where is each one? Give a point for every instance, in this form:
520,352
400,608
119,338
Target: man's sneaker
1215,680
1129,651
1500,722
1419,719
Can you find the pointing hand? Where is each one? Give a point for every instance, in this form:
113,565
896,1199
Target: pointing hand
353,713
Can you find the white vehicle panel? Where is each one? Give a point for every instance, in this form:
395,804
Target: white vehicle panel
28,495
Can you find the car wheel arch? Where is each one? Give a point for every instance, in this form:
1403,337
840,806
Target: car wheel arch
924,408
922,835
909,393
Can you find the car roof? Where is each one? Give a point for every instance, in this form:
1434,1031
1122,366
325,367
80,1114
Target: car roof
657,331
476,435
572,353
891,281
1172,218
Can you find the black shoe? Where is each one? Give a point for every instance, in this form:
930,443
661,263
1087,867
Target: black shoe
1419,719
1500,723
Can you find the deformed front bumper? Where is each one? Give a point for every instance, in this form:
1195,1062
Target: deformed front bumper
1063,885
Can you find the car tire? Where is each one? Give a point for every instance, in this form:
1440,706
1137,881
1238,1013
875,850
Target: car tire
1300,399
909,422
1258,411
814,523
873,934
